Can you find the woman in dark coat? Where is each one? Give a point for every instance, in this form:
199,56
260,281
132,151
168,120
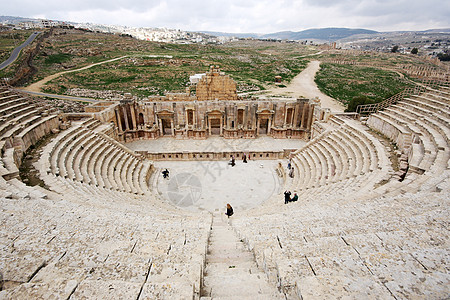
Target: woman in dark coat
287,197
229,212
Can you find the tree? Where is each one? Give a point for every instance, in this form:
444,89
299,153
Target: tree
358,100
443,56
414,51
394,49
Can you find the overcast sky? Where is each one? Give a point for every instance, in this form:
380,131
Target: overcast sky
260,16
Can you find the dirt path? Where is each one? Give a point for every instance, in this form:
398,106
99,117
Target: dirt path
303,85
37,86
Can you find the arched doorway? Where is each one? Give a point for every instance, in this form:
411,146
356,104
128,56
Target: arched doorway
141,120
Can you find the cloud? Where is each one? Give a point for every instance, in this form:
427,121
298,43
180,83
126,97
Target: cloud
262,16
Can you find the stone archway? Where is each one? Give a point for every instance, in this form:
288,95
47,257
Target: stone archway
215,122
263,126
141,119
165,122
166,126
264,121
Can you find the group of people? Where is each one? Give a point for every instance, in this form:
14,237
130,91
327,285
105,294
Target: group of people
165,173
287,197
233,160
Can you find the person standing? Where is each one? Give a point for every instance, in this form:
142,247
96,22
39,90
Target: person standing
291,172
287,197
230,211
244,158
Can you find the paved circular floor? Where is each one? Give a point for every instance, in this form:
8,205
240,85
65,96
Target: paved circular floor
210,185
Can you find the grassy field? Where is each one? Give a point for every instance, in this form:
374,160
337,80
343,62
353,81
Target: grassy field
155,68
152,68
343,82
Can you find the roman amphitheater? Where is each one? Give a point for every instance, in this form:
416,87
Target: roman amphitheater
371,221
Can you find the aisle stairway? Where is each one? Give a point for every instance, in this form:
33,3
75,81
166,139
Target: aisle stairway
231,271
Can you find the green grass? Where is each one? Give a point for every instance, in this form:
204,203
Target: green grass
253,66
343,82
57,58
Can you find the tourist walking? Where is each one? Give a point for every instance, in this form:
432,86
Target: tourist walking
291,172
244,158
232,161
289,164
229,212
165,173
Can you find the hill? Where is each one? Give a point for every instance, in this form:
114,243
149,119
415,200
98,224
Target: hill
324,34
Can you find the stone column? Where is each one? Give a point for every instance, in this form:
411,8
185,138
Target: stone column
119,122
245,118
305,107
221,126
295,115
269,124
133,116
172,127
310,116
257,126
125,115
161,129
209,126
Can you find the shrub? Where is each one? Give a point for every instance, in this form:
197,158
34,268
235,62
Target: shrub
358,100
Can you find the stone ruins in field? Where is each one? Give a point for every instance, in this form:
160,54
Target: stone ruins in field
371,220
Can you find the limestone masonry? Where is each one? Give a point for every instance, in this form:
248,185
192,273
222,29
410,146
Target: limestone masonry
215,110
371,220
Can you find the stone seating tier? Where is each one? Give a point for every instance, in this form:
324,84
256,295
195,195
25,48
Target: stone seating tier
328,244
341,153
22,124
348,235
64,250
71,155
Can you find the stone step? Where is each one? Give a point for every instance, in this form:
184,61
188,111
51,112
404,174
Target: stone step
241,267
241,285
259,297
231,271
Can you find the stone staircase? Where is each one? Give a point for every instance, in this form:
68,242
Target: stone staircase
231,271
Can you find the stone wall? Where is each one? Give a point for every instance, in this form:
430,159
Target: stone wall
201,119
215,85
207,156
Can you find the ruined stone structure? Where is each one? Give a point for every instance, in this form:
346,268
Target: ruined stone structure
215,85
438,71
215,110
101,229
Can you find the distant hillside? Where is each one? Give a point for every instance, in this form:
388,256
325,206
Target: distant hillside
239,35
324,34
13,20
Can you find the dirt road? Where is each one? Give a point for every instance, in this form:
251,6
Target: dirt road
37,86
303,85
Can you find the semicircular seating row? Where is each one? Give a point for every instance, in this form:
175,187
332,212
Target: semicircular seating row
85,153
346,237
344,158
100,235
22,124
420,126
